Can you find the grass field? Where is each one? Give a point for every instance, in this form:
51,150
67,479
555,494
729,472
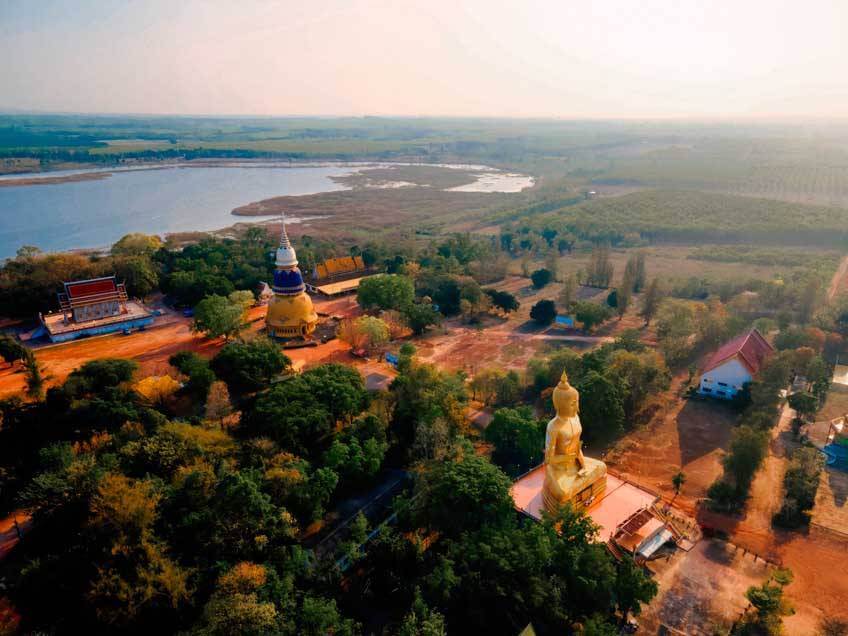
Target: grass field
675,263
677,216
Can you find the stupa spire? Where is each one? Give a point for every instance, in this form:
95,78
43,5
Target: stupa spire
284,235
286,256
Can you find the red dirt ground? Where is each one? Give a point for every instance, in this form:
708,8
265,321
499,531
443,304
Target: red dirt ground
152,348
687,435
693,435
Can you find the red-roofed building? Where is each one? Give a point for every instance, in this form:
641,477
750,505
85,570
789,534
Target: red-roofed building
93,307
734,364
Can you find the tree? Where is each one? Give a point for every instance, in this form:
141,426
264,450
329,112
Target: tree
641,274
569,292
769,608
376,331
138,273
249,366
11,350
503,300
543,312
218,316
590,314
339,388
394,322
712,324
484,385
199,373
601,408
599,271
348,332
804,403
136,574
622,301
651,301
634,273
747,451
462,494
809,298
155,390
639,375
244,298
319,617
137,244
632,588
235,606
419,316
540,278
34,377
421,620
518,437
552,264
218,405
421,394
385,291
95,376
677,481
800,483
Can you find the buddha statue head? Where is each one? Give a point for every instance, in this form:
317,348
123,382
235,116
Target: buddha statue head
566,398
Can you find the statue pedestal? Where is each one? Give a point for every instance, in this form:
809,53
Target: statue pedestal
615,504
580,488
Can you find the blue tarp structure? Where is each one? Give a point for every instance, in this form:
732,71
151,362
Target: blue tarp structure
392,359
837,456
565,321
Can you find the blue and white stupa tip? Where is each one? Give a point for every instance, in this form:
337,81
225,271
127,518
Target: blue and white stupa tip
286,256
288,280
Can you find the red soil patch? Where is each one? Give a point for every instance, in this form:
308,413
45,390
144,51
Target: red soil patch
151,349
687,435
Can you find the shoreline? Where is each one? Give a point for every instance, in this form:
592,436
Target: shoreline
43,177
29,181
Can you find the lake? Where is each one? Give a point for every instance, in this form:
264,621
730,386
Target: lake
96,213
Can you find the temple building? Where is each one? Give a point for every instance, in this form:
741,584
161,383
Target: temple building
734,365
290,311
93,307
337,276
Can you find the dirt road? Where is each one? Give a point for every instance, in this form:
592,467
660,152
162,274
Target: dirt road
839,282
817,558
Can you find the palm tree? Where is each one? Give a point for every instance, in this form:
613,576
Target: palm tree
677,481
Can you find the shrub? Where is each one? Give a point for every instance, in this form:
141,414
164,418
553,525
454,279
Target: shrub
543,312
541,277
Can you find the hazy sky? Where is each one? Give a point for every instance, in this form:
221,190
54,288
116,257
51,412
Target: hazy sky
563,58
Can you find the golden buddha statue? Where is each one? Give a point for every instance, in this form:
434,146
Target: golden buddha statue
569,475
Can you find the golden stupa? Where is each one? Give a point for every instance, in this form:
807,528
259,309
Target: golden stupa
569,475
290,311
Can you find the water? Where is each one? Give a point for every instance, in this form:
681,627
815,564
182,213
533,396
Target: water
96,213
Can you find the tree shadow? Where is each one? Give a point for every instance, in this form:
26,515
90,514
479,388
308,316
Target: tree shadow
838,482
702,427
720,552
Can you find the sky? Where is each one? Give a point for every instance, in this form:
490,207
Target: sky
527,58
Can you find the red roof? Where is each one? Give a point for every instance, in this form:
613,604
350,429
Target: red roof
751,349
91,287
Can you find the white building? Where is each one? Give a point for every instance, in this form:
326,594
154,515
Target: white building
734,364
